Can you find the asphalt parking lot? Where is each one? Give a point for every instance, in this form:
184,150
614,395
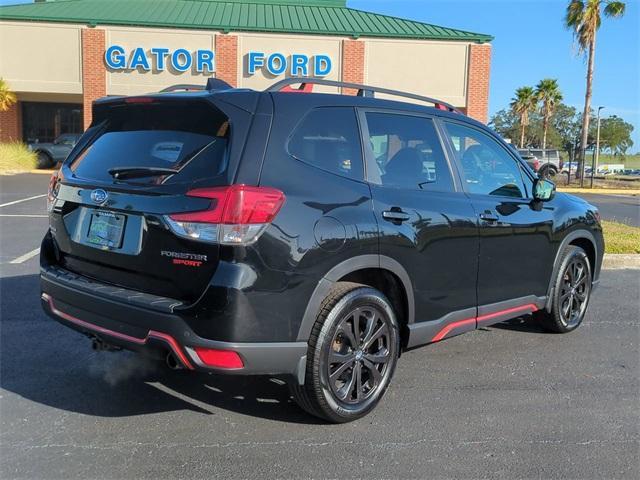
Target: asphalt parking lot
503,402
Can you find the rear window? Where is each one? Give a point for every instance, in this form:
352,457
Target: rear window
189,137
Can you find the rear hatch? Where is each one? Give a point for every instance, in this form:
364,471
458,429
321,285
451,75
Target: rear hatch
131,170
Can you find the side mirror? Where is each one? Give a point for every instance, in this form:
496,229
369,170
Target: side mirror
543,190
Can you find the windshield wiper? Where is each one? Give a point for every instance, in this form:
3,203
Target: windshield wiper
139,172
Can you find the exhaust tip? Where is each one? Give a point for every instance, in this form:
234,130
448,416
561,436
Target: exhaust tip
172,362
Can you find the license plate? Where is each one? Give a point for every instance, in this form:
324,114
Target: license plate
106,229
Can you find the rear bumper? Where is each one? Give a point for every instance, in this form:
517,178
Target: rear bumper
133,327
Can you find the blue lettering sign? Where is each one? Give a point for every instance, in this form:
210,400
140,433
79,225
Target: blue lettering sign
299,65
277,64
322,65
205,58
177,64
139,59
159,54
114,57
256,59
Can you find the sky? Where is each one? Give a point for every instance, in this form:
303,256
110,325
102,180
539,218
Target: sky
531,43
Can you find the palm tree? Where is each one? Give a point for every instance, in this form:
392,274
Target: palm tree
584,18
524,102
549,95
7,97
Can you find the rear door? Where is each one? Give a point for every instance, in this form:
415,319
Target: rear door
516,249
137,165
426,224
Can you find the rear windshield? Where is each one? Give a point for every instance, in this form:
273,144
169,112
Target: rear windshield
189,137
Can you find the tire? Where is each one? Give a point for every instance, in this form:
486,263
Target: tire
548,172
332,390
571,292
44,160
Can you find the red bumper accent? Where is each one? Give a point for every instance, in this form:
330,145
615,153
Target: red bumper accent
168,339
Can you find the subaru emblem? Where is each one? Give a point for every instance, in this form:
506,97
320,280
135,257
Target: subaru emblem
99,196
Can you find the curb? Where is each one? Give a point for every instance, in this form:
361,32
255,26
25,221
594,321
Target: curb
601,191
612,261
8,173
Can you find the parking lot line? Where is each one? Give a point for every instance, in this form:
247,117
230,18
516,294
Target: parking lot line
23,200
26,256
23,215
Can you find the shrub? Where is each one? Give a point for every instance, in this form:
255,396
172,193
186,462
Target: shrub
16,157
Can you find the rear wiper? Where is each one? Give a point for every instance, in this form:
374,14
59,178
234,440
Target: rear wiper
139,172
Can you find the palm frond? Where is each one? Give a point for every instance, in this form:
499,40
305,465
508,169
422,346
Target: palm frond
615,9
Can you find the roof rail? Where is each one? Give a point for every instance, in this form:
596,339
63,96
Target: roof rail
212,85
363,90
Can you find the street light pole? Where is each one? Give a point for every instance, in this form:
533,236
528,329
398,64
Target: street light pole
596,154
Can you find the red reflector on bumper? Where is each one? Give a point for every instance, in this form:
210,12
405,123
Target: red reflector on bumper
219,358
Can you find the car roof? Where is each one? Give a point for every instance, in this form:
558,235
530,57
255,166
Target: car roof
248,100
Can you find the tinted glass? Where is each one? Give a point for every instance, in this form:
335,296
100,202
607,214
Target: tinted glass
407,152
329,138
487,168
191,138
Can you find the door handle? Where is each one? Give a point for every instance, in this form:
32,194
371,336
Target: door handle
394,215
487,216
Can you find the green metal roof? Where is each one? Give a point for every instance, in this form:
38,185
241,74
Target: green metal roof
318,17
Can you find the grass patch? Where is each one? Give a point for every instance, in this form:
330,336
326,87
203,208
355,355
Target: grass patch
16,157
621,238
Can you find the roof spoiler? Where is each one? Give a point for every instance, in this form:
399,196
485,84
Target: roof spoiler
213,85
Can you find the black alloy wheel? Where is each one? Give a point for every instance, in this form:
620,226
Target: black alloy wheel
353,350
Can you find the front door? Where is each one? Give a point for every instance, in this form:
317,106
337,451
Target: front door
516,250
425,222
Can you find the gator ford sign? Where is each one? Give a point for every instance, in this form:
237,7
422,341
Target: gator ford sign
182,60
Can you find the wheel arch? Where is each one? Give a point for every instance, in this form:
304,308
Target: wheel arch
580,238
371,270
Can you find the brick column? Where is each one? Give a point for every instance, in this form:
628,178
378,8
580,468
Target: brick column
11,124
227,59
352,64
478,82
94,72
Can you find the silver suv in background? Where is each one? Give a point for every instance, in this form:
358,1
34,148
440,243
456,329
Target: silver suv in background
549,163
50,153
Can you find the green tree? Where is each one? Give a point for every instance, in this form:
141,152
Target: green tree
584,18
615,135
549,95
522,104
7,97
505,122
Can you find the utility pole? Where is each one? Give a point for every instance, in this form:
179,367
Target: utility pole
596,154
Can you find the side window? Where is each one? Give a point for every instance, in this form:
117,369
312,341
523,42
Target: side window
329,138
407,152
487,167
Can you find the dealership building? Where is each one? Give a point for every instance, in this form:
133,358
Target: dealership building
59,56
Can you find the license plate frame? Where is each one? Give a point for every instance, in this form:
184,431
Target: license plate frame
106,229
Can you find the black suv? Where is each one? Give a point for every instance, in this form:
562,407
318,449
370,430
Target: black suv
310,237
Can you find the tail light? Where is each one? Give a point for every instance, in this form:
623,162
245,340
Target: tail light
52,191
237,215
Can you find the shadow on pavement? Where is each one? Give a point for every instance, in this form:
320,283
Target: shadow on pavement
526,324
44,362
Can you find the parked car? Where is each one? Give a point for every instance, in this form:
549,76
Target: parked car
309,237
531,160
51,153
549,161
